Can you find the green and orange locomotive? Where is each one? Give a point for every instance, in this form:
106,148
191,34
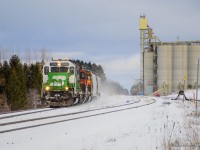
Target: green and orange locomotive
65,84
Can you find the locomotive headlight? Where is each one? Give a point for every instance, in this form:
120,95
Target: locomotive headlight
59,64
47,88
66,88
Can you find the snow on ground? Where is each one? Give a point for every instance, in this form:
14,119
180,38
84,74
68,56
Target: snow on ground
144,128
95,104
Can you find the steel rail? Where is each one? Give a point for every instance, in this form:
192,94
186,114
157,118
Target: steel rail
68,114
76,118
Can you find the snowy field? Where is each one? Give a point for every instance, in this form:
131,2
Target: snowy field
148,127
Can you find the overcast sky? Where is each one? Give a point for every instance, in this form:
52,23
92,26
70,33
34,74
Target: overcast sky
101,31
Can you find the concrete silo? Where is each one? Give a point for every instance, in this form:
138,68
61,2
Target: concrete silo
148,73
168,66
164,70
179,66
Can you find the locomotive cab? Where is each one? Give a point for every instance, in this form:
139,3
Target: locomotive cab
83,85
59,83
89,84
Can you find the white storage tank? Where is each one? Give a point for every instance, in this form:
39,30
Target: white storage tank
148,70
164,71
176,66
179,63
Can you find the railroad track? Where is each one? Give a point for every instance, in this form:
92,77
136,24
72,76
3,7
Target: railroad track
86,114
28,113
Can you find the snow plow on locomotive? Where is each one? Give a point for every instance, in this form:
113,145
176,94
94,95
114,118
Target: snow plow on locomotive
65,84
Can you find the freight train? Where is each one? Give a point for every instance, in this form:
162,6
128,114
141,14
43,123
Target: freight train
66,84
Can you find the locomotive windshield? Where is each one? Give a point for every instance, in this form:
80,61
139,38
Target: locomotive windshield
59,69
88,77
46,70
72,70
63,69
82,75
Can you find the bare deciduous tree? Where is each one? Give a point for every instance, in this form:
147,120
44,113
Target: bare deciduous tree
27,56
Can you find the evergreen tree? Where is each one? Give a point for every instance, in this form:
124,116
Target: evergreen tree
28,77
6,70
2,80
16,85
5,73
37,76
34,77
89,66
15,94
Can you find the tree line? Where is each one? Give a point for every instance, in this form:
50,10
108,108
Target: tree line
17,80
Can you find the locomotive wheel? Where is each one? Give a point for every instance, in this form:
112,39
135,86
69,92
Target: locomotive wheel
82,98
85,99
76,100
89,98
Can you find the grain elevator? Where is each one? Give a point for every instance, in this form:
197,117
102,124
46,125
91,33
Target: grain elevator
166,66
